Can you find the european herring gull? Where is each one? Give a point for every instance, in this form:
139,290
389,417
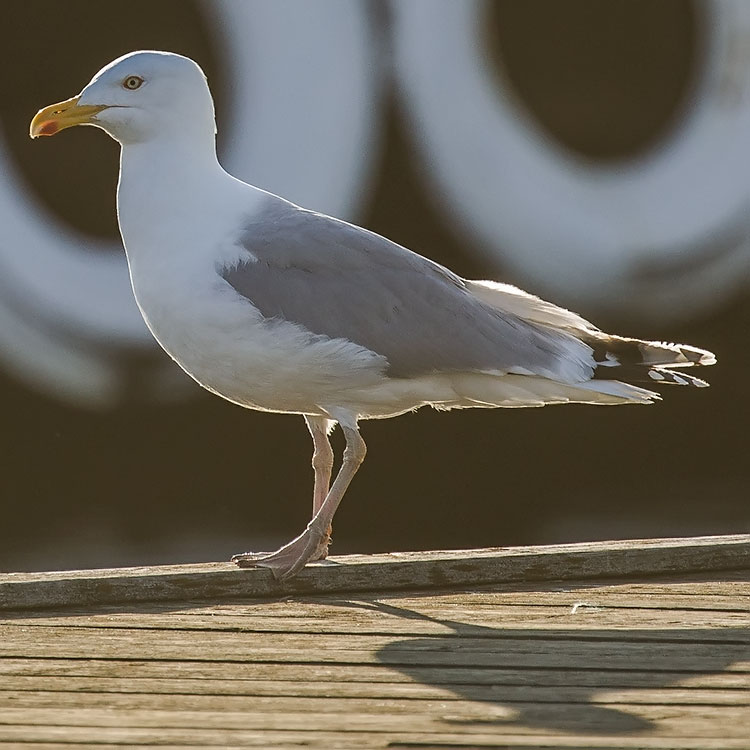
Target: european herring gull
282,309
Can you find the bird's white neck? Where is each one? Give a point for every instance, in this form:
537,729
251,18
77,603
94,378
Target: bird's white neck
165,178
167,167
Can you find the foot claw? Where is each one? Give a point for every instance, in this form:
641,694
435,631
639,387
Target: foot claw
248,559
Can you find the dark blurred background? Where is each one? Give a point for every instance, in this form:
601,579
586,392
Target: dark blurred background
111,456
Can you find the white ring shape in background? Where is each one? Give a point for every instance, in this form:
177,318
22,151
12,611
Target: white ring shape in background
304,109
581,232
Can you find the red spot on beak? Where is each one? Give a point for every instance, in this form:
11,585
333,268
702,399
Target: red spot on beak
49,128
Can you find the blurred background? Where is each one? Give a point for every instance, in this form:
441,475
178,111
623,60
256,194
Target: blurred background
595,153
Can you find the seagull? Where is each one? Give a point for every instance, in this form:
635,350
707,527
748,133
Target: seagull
282,309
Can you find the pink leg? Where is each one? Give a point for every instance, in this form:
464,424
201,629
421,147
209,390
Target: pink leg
322,463
291,558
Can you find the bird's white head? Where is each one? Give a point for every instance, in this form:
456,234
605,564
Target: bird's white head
138,98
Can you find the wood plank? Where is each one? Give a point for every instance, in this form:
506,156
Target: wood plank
554,606
235,676
274,695
472,718
242,676
604,622
574,651
396,571
228,739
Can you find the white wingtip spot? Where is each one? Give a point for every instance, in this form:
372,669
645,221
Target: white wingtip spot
655,375
610,360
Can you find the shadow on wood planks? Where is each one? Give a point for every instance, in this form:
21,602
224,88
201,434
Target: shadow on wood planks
498,666
581,661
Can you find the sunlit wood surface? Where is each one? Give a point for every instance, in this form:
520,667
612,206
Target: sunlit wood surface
632,654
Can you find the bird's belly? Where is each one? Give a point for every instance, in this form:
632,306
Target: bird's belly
223,342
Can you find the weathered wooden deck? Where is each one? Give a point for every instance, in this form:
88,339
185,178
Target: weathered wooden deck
609,645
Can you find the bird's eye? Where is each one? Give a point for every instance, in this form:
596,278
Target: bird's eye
132,82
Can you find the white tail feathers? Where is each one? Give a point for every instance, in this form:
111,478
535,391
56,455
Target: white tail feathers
481,389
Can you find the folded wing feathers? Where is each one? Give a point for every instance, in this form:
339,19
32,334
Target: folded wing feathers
667,376
638,361
650,353
617,358
513,300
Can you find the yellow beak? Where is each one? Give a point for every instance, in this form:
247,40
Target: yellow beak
56,117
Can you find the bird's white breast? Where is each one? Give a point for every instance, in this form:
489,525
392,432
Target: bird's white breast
175,246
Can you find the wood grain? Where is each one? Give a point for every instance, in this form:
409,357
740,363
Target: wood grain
610,660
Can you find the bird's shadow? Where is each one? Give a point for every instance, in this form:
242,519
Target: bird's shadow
502,669
481,663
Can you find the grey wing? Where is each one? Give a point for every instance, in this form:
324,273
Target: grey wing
342,281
